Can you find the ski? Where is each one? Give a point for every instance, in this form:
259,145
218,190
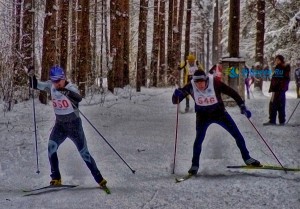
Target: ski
181,179
47,189
266,167
51,186
106,189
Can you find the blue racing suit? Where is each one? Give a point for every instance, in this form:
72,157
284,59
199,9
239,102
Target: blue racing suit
67,124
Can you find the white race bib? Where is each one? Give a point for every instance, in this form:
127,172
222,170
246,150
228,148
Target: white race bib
61,104
206,97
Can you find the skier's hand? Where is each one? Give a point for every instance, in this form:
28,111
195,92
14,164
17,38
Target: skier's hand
32,78
245,111
64,91
178,93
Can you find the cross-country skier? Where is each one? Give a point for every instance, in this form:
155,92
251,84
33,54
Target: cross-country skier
65,99
209,107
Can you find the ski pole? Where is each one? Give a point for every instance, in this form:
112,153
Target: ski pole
267,145
293,112
176,134
34,122
133,171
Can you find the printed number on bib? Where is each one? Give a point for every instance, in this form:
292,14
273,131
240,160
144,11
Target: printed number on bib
206,100
60,104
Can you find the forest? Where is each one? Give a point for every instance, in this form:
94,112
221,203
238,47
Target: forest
104,45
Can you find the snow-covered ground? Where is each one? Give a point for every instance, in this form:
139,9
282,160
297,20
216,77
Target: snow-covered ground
141,127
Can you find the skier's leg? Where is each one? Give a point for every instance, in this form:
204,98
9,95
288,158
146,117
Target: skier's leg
281,107
57,136
273,106
76,134
201,128
229,125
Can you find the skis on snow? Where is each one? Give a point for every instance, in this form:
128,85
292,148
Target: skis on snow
53,188
47,189
266,167
105,189
183,178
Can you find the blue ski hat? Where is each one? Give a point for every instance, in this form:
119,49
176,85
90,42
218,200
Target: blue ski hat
57,73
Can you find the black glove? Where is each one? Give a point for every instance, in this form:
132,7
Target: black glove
33,82
64,91
70,94
32,78
178,93
245,111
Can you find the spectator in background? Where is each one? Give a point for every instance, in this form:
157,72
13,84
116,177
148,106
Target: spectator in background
248,80
297,79
189,66
279,85
216,71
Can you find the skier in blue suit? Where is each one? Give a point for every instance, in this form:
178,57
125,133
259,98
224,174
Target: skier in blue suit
65,99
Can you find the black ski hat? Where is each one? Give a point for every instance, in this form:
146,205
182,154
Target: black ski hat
199,75
280,57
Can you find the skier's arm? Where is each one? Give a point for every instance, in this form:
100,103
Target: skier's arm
180,93
225,89
75,97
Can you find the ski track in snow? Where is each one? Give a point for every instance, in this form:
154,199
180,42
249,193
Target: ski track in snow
141,127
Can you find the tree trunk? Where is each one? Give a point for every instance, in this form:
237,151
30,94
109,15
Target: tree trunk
260,34
64,19
74,42
234,28
126,26
188,28
49,49
207,49
155,45
170,63
177,40
142,46
113,43
85,48
215,36
162,44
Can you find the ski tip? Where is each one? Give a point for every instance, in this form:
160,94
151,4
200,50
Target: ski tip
106,190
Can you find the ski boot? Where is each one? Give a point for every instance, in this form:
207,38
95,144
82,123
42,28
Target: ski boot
55,182
193,170
253,162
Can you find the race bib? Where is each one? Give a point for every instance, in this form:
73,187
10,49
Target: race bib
61,104
206,97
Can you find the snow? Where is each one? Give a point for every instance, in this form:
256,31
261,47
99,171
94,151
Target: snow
141,127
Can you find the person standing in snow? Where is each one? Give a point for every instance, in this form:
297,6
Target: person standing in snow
279,85
65,100
216,71
297,80
189,66
209,107
248,80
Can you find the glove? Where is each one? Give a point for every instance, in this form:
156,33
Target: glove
30,71
70,94
178,93
245,111
64,91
